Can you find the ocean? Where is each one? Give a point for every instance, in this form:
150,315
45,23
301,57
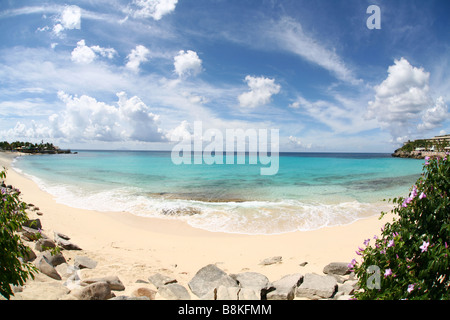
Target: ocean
309,191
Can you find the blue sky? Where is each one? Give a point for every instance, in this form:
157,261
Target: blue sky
137,73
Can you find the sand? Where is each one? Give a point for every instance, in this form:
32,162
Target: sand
134,248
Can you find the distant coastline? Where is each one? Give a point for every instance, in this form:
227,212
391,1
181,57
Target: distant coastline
421,148
30,148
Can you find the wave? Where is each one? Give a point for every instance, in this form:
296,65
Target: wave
229,215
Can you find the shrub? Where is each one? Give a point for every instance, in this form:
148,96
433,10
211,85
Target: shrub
410,260
13,271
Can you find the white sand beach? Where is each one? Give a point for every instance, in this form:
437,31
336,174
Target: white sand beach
133,248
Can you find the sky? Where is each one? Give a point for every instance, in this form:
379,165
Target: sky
331,76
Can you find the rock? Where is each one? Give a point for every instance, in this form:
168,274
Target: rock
315,286
208,278
144,292
227,293
249,294
113,281
54,259
271,260
95,291
159,280
33,223
64,243
60,235
285,288
83,262
252,280
44,244
31,234
346,289
303,264
339,268
46,268
174,291
29,256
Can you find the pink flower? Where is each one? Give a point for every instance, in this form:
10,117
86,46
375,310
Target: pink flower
387,273
410,288
351,265
390,243
427,158
424,246
422,195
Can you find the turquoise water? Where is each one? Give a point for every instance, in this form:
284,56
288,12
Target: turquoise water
309,191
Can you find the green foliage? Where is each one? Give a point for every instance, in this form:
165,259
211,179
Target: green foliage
5,145
12,215
413,252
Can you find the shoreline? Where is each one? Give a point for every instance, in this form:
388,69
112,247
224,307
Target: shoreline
134,247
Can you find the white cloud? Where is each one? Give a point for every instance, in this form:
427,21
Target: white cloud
289,35
70,18
183,132
84,55
187,63
434,116
403,99
155,9
137,56
261,91
86,119
298,143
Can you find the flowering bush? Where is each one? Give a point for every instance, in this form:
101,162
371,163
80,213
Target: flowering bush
13,271
411,258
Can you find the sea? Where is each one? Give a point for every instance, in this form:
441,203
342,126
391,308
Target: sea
309,191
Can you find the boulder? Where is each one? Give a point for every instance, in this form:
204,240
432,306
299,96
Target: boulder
249,294
227,293
33,223
252,280
208,278
144,292
174,291
285,288
272,260
54,259
31,234
83,262
64,243
159,280
44,244
46,268
339,268
316,286
29,256
95,291
113,281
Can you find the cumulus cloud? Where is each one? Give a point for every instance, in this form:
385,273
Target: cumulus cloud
86,119
434,116
137,56
261,91
187,63
403,100
70,18
84,55
155,9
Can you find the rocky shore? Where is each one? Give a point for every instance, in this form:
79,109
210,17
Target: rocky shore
417,154
64,275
